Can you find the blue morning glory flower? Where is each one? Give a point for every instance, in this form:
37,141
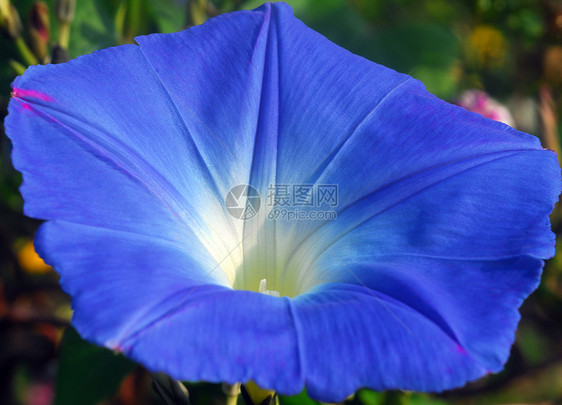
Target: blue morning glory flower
148,162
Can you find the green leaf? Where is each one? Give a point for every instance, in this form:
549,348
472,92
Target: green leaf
93,27
369,397
87,373
169,15
300,399
425,50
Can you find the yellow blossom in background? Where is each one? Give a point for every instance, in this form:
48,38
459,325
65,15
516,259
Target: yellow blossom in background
487,47
30,261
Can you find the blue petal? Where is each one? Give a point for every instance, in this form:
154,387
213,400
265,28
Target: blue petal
440,225
267,76
435,251
459,186
132,185
150,300
116,145
274,92
415,324
121,281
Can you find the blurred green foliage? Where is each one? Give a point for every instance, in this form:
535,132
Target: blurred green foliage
87,373
510,48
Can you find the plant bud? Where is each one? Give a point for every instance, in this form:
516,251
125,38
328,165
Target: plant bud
39,29
64,10
59,54
10,22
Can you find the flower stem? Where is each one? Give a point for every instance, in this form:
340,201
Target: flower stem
17,67
231,391
197,12
231,400
64,34
25,52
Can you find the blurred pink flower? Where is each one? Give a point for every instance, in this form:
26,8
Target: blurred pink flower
39,394
480,102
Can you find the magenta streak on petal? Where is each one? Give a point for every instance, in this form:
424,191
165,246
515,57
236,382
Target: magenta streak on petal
21,93
26,106
460,349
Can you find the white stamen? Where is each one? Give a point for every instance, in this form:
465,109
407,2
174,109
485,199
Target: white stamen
263,289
